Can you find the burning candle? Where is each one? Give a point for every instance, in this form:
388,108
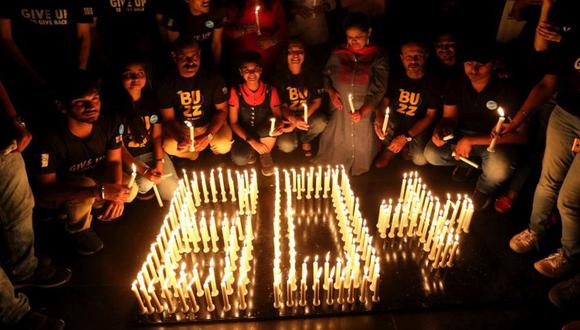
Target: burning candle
386,121
500,122
225,298
403,186
142,308
338,272
326,270
191,136
133,175
305,106
257,14
453,252
330,289
222,185
208,300
350,102
316,288
272,126
204,188
212,186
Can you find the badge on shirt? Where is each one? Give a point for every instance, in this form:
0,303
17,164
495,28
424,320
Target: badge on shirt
153,119
491,105
225,90
209,24
44,160
577,64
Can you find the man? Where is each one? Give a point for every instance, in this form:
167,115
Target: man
413,97
446,65
44,40
80,165
193,97
299,87
20,267
470,111
200,22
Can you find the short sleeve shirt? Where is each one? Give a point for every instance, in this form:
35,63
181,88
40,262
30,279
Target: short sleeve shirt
66,154
147,108
478,112
295,90
193,99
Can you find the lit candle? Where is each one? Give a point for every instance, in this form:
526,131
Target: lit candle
500,121
226,300
133,175
272,126
195,305
330,289
231,186
338,272
214,290
453,252
214,234
386,121
350,102
403,186
198,286
142,308
257,14
204,188
350,295
340,299
191,136
316,288
209,302
305,107
222,185
212,186
326,271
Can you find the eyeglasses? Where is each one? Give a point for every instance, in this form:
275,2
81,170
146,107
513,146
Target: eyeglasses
133,75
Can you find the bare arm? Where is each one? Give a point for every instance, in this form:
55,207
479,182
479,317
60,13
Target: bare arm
216,44
14,52
538,96
84,36
52,190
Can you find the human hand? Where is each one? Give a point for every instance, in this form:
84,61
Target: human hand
259,147
153,175
115,192
201,142
549,32
463,148
397,144
113,210
356,116
23,137
335,98
266,42
299,123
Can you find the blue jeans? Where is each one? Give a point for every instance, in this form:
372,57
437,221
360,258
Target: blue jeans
17,248
289,142
167,186
416,147
496,166
560,181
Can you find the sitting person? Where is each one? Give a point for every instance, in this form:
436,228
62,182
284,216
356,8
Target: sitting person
414,98
470,111
299,87
252,106
446,65
81,165
193,97
139,113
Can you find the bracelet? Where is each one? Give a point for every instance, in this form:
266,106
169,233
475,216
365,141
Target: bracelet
162,160
146,170
101,191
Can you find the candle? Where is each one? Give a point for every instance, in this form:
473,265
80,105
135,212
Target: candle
316,288
340,299
133,175
168,296
338,272
330,289
222,185
191,136
350,102
452,254
403,186
305,106
204,188
386,121
350,295
500,121
257,14
142,308
209,302
214,235
272,126
326,271
195,305
198,286
212,186
226,300
157,196
231,186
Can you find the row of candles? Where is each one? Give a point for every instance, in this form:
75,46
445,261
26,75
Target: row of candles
166,284
361,271
419,214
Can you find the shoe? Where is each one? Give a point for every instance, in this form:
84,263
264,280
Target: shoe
384,159
556,265
566,293
307,148
267,164
480,200
524,241
146,196
88,242
45,276
461,173
38,321
503,204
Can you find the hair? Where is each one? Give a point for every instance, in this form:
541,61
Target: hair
416,42
357,20
126,109
184,41
250,56
77,85
282,62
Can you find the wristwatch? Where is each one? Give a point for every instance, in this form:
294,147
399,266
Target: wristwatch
408,137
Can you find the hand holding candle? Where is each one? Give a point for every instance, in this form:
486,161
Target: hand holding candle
497,130
133,175
350,102
305,106
272,126
191,136
385,123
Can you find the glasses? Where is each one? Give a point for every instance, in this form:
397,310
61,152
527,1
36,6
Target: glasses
134,75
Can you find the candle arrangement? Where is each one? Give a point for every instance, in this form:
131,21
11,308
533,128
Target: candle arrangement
438,226
201,256
352,276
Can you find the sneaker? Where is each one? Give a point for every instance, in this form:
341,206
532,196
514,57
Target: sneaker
524,241
267,164
307,148
461,173
503,204
384,159
38,321
555,265
45,276
480,200
566,293
88,242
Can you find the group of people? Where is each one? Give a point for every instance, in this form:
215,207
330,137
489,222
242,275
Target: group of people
181,80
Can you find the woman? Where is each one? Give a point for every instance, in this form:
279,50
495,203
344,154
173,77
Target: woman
360,71
257,25
253,104
138,110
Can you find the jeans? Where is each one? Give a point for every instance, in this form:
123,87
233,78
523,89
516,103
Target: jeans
496,166
17,248
416,147
288,142
560,182
167,185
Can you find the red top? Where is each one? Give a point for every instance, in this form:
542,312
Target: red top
254,98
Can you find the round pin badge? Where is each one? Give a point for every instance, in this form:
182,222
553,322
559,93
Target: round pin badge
209,24
577,64
121,129
491,105
153,119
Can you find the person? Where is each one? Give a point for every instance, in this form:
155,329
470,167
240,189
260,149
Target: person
139,113
20,267
559,183
201,21
193,97
414,97
446,65
299,87
261,30
252,105
43,41
470,111
361,70
80,164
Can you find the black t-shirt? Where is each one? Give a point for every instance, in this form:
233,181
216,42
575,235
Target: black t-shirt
147,108
45,31
66,154
410,98
193,99
565,63
295,90
478,111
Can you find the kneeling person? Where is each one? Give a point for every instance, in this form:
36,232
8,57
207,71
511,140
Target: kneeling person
80,165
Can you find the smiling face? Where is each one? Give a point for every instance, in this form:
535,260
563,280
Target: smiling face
445,49
295,54
134,77
251,72
413,57
188,60
357,39
85,109
199,6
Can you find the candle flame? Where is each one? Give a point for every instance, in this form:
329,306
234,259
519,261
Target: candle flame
388,110
188,124
501,112
257,9
327,256
133,168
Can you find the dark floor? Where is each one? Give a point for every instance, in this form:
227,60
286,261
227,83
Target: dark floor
489,288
